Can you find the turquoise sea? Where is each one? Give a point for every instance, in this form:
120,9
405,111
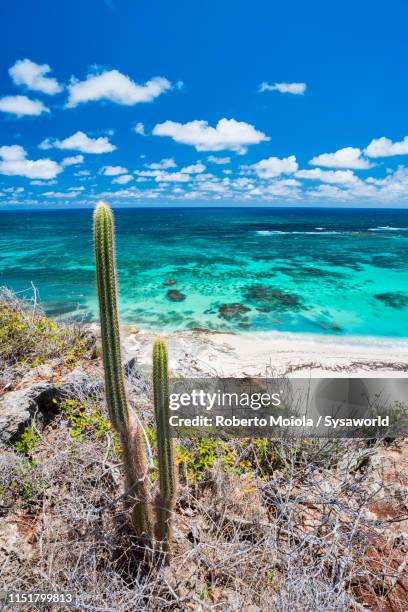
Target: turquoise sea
341,272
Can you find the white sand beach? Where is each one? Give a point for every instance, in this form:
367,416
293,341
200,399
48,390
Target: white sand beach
271,353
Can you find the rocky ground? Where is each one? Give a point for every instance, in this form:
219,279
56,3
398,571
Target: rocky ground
259,524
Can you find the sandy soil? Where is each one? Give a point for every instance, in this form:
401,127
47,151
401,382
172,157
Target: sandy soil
268,353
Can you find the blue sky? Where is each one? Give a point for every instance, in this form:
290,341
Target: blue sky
195,103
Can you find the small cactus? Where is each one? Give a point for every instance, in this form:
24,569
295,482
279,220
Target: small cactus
167,475
124,422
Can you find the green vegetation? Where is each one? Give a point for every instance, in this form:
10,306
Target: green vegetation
26,482
29,441
28,337
84,419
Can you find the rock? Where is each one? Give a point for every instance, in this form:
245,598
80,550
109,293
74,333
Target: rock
130,366
43,372
16,548
139,383
170,281
396,299
277,299
17,409
79,383
234,311
174,295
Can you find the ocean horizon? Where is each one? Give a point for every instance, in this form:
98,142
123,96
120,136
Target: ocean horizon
304,270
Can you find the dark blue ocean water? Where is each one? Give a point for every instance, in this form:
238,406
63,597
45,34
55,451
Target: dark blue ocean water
302,270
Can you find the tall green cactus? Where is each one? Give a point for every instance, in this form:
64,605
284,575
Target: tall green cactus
167,476
123,421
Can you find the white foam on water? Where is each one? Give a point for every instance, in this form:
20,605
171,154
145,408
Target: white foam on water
387,228
311,233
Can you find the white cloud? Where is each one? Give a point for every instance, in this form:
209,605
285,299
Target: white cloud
123,179
73,161
113,170
392,188
349,157
32,75
161,176
213,186
330,191
194,169
42,183
282,189
114,86
14,190
81,142
14,162
395,185
218,160
139,129
297,89
60,194
172,177
228,134
384,147
22,106
329,176
274,166
164,164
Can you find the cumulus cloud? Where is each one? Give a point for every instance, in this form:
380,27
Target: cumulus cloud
194,169
384,147
349,157
14,162
330,191
213,186
227,134
297,89
81,142
282,189
22,106
114,86
40,183
274,166
32,75
113,170
218,160
139,129
162,176
73,161
172,177
329,176
164,164
123,179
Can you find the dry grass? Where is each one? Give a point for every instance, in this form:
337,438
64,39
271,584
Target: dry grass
288,525
299,539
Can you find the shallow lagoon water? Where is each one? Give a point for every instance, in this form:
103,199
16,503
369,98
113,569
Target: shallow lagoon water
322,271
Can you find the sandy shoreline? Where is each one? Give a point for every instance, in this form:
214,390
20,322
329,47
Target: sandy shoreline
198,353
